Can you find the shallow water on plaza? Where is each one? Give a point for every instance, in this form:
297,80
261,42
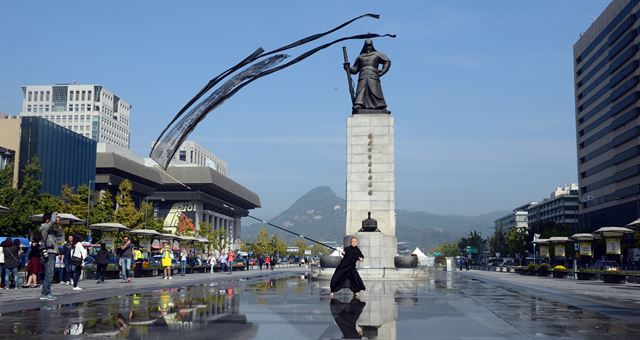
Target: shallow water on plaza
445,306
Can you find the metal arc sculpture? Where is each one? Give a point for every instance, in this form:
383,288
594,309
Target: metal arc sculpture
255,66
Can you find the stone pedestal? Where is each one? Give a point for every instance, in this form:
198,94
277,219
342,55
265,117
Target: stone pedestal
378,249
371,172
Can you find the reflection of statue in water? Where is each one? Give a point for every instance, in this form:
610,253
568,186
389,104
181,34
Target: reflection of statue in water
346,315
368,96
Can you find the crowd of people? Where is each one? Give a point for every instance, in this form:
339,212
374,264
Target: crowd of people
48,261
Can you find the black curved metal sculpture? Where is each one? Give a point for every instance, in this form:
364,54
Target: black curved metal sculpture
253,67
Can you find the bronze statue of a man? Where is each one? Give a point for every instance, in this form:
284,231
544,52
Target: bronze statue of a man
368,95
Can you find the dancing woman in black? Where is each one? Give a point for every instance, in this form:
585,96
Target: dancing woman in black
346,275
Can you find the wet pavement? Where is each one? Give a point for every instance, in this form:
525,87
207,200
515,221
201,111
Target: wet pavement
287,306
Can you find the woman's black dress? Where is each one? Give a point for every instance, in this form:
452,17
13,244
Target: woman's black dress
346,275
346,316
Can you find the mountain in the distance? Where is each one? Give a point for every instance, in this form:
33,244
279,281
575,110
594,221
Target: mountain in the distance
320,214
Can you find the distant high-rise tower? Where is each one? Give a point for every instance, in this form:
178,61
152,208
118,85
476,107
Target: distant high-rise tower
606,59
90,110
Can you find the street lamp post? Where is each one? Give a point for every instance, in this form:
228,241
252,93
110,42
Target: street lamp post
89,202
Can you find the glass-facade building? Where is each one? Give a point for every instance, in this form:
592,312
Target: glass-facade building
607,74
66,157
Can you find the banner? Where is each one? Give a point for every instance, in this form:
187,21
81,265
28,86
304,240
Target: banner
585,249
108,241
613,246
559,250
544,251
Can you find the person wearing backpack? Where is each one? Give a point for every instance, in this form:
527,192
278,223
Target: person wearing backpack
11,263
102,261
78,256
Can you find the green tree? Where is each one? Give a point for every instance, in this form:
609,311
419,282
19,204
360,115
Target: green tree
447,249
76,203
278,245
50,203
150,222
262,245
24,202
126,213
302,247
516,242
317,250
219,240
104,211
7,191
474,240
498,242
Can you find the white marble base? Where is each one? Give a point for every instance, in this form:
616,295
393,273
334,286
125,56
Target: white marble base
370,172
378,249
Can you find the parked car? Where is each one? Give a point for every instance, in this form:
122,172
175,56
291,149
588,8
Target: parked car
508,262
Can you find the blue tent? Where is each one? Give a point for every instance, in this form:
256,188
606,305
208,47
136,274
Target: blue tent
25,242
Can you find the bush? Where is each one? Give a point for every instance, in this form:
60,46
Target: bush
560,268
544,267
532,266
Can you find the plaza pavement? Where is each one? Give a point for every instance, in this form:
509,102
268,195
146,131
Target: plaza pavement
615,300
29,298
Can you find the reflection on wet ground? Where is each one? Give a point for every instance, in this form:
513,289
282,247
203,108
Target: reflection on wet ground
442,307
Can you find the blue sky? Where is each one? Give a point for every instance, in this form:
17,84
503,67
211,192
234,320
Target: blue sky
481,91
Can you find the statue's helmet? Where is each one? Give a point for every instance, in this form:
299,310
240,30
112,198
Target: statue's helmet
368,44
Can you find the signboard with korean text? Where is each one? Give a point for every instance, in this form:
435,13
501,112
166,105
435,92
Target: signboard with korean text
585,249
544,251
613,246
559,250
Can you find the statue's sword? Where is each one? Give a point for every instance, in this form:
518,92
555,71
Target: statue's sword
347,66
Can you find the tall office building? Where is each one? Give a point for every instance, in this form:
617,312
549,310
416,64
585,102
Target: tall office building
561,208
606,60
90,110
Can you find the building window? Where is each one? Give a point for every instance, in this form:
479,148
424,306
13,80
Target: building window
41,96
28,108
183,155
29,95
46,107
47,95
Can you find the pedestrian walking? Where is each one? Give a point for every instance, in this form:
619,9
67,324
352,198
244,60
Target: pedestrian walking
126,256
273,261
139,258
34,266
49,229
167,257
66,256
11,263
346,275
223,262
212,262
183,263
267,261
2,284
260,261
78,257
231,256
59,266
102,261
